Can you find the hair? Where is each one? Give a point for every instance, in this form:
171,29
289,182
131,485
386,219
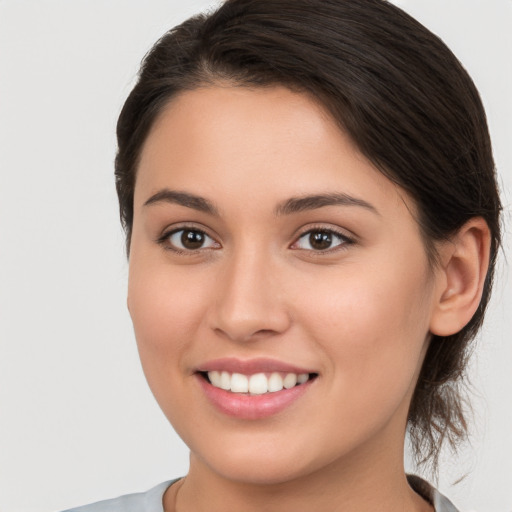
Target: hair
394,88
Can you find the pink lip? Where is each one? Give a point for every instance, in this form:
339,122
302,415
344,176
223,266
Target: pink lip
250,367
251,407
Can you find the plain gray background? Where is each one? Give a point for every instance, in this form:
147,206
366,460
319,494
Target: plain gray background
77,422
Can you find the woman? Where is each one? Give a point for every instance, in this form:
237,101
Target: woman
312,223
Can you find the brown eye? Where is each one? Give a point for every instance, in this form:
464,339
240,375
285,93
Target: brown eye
190,240
321,240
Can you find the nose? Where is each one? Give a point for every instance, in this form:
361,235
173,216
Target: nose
249,303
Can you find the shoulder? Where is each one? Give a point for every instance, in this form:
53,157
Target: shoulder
441,503
149,501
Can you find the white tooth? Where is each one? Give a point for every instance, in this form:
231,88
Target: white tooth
303,377
239,383
290,380
275,383
225,381
258,384
214,378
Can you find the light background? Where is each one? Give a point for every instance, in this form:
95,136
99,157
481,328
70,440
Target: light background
77,422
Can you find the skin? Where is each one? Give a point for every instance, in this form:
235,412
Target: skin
358,314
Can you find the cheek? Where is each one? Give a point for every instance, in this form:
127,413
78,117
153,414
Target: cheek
166,309
373,327
367,306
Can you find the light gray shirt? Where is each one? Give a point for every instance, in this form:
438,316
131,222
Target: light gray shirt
152,500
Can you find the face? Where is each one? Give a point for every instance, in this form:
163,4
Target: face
279,287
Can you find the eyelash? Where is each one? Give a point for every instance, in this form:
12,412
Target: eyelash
165,240
344,240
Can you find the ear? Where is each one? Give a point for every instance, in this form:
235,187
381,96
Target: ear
460,277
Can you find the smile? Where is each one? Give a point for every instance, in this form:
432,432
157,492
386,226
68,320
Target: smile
255,389
256,384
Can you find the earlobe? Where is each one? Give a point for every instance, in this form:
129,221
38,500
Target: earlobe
461,277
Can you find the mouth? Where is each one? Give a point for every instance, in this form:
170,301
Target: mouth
255,389
257,383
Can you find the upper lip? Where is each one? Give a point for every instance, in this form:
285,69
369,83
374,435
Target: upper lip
250,366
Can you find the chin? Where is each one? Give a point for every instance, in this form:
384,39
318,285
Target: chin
259,461
271,471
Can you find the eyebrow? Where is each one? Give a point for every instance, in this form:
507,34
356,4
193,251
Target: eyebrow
184,199
288,207
304,203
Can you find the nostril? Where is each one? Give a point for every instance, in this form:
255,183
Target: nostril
244,333
264,332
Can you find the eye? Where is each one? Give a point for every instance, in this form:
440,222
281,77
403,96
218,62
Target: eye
321,240
187,239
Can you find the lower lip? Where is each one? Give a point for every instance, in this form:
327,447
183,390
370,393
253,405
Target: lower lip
252,407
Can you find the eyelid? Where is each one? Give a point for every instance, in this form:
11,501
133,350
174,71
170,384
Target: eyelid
164,238
347,239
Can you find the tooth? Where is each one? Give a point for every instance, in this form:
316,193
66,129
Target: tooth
258,384
225,381
290,380
275,383
214,378
302,377
239,383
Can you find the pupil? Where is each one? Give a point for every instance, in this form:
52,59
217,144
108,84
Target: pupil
320,240
192,239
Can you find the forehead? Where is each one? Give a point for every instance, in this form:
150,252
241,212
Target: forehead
266,143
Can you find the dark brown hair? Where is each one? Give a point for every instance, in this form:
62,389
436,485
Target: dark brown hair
394,87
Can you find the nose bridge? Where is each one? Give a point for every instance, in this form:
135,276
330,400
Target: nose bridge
249,300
